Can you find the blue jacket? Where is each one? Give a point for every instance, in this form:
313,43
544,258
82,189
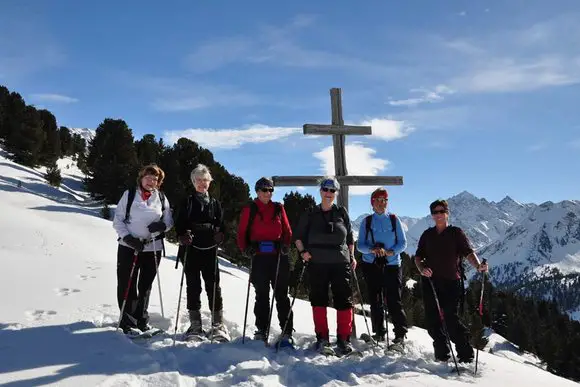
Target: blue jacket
382,230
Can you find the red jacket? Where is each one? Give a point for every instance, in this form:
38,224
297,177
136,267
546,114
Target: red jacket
265,226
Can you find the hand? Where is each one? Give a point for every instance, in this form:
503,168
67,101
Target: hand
306,256
483,267
157,227
353,264
186,239
249,252
135,243
389,253
378,252
219,237
426,272
285,250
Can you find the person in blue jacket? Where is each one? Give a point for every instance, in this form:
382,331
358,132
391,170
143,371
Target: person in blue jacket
381,240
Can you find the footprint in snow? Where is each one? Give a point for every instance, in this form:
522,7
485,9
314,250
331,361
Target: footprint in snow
86,277
39,314
66,291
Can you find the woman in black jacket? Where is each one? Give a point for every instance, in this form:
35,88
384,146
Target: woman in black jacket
199,227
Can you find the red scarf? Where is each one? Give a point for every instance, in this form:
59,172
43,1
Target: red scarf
145,195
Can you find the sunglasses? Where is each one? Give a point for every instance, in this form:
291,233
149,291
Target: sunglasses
381,200
267,190
331,190
438,212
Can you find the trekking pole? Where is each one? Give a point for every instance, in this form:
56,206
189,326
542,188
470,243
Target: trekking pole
157,273
292,303
247,300
480,315
126,295
385,309
180,289
443,324
363,310
273,297
215,274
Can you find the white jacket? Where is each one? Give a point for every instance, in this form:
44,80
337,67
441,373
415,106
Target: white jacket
143,213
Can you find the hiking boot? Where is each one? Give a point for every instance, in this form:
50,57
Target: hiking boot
465,360
260,335
144,327
399,340
379,337
195,327
442,357
219,332
343,346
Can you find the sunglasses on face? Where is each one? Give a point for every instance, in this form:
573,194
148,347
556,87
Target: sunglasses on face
267,190
381,200
331,190
438,212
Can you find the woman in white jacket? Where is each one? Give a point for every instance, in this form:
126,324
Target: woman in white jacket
141,219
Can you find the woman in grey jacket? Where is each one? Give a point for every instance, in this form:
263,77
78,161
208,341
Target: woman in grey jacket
141,219
324,240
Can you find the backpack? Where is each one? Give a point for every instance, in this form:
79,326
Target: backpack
368,228
254,212
131,197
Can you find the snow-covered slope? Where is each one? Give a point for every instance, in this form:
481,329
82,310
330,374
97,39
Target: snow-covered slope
86,134
58,297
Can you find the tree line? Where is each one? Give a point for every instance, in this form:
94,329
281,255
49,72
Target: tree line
111,163
32,137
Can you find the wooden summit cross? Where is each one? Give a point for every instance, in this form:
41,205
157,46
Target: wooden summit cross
338,130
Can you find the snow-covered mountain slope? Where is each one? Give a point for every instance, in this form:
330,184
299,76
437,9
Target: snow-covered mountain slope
58,297
85,133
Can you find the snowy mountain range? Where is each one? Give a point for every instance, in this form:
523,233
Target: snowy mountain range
534,249
86,134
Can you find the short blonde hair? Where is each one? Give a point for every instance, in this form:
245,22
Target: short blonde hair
200,171
152,169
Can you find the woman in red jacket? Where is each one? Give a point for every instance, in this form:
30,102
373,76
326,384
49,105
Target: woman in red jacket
264,235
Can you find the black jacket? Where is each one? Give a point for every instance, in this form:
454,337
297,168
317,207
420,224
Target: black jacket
204,220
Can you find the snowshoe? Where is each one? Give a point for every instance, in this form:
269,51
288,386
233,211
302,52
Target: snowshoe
147,334
219,333
260,335
323,347
398,345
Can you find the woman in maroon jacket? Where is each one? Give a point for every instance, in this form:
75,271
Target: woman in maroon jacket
264,235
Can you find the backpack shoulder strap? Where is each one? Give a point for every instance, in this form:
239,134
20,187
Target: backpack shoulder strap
277,210
368,229
130,198
162,198
253,212
393,218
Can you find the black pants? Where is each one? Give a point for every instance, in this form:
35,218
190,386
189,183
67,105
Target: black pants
448,293
141,283
384,284
263,277
202,262
335,275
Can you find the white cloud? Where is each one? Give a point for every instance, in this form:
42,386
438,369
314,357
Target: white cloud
426,95
462,13
301,188
232,138
387,129
55,98
360,160
536,147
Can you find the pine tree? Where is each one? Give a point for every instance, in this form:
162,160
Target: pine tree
24,134
4,102
148,150
53,176
50,151
66,145
112,161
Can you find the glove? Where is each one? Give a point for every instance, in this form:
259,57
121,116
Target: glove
135,243
285,250
219,237
186,239
157,227
249,252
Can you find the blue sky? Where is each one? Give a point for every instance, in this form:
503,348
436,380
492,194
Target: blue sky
480,97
